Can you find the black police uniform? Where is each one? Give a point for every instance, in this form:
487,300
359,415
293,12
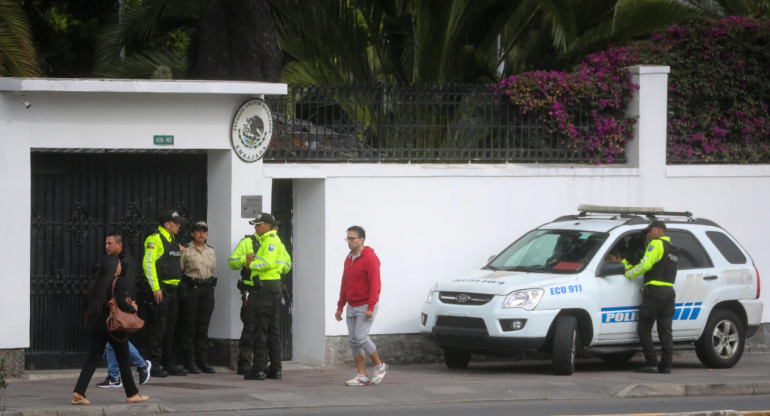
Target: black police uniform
658,305
161,332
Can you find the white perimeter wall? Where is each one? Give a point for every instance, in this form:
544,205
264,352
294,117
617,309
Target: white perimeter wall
435,222
125,115
425,222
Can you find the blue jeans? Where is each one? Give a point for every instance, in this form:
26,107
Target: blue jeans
112,363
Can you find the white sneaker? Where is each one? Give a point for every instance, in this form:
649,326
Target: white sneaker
358,380
379,373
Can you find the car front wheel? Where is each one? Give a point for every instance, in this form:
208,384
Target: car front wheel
564,345
456,359
723,340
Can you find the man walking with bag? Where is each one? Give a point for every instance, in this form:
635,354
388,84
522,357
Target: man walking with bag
113,245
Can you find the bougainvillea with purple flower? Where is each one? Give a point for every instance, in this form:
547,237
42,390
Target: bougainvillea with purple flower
719,89
719,93
584,109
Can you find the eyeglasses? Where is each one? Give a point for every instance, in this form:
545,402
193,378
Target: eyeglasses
352,238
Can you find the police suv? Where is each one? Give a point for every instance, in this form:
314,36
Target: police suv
555,291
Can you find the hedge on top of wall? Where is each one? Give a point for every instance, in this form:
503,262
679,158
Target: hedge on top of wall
719,92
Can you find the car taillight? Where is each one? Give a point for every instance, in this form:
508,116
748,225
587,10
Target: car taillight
757,270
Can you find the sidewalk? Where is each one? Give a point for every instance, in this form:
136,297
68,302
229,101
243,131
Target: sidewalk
50,392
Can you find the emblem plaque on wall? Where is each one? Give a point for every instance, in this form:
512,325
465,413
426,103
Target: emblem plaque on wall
252,130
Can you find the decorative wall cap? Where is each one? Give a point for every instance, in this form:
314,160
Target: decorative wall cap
141,86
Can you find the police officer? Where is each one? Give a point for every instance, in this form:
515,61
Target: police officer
658,265
163,269
261,295
198,282
273,328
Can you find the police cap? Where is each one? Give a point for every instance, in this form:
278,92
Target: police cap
656,223
171,215
264,217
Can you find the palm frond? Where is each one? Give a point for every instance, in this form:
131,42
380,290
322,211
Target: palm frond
17,52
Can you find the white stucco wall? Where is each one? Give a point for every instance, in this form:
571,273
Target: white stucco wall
118,114
426,222
309,276
434,222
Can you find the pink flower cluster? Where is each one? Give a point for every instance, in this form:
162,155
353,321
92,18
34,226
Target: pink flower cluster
584,109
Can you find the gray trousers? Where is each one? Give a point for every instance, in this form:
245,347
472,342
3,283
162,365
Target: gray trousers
358,329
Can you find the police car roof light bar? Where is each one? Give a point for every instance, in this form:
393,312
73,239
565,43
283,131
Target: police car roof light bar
649,212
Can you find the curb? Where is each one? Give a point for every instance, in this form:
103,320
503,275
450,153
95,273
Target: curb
681,390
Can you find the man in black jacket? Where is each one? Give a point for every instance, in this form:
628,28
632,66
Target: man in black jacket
114,245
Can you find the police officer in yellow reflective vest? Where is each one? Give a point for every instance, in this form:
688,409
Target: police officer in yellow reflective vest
659,266
273,328
163,268
260,286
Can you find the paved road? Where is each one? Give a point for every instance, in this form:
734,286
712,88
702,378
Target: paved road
49,392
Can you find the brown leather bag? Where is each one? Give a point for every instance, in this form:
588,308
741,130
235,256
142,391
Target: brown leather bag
120,322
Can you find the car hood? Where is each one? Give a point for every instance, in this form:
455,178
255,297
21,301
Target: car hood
501,283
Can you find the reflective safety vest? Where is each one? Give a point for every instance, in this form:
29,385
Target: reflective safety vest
659,264
162,259
664,271
269,261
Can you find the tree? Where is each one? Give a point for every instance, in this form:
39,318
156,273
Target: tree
238,41
441,42
17,53
149,39
227,40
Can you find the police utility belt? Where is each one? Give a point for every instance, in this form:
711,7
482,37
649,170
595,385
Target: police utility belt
196,283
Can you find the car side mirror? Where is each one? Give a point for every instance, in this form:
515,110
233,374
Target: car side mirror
611,268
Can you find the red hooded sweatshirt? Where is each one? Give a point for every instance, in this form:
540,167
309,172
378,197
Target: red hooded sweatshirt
360,280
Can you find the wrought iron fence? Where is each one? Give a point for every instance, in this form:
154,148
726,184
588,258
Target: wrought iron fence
409,124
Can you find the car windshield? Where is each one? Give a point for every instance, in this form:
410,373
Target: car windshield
549,251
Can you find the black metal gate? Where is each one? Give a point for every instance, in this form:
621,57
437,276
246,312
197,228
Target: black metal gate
282,210
76,199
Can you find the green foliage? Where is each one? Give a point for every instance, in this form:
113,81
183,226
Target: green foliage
149,34
3,370
65,33
719,92
17,53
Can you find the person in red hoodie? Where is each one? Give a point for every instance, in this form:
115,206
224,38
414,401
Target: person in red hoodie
360,290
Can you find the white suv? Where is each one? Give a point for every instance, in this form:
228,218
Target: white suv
553,291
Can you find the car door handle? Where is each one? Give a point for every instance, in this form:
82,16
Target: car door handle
712,277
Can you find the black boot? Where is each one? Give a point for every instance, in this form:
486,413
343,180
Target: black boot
157,371
206,368
255,374
175,370
243,369
192,368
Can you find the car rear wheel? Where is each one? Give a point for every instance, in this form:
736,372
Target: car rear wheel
456,359
723,340
564,345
